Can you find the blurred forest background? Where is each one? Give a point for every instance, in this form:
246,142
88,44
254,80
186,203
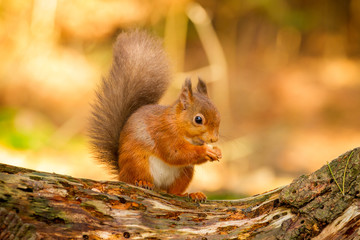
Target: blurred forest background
285,76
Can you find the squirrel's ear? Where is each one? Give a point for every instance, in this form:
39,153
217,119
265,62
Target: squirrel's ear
201,87
186,96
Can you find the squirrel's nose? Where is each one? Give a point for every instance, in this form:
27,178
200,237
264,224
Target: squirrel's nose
214,139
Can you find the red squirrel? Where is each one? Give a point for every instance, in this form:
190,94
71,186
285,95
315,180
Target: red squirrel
144,143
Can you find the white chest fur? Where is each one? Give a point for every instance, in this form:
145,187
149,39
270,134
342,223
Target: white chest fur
163,174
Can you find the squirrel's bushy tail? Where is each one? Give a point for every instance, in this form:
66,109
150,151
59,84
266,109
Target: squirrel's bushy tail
139,76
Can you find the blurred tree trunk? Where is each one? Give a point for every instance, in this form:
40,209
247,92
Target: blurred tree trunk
38,205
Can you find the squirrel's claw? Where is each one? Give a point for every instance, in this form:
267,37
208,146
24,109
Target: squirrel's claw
197,197
144,184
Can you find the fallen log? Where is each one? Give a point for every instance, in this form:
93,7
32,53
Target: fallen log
38,205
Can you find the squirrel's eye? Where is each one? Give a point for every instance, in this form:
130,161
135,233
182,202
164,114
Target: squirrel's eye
198,119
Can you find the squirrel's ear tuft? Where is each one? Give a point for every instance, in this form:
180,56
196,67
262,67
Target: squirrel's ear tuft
186,96
201,87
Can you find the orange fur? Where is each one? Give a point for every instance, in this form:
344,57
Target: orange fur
182,182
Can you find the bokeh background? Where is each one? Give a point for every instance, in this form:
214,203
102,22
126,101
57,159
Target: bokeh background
285,76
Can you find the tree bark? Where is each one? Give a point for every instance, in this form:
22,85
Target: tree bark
37,205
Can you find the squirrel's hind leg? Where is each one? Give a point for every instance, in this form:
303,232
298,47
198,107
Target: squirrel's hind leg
134,169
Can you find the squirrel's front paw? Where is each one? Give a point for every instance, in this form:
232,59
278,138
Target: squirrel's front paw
213,153
144,184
